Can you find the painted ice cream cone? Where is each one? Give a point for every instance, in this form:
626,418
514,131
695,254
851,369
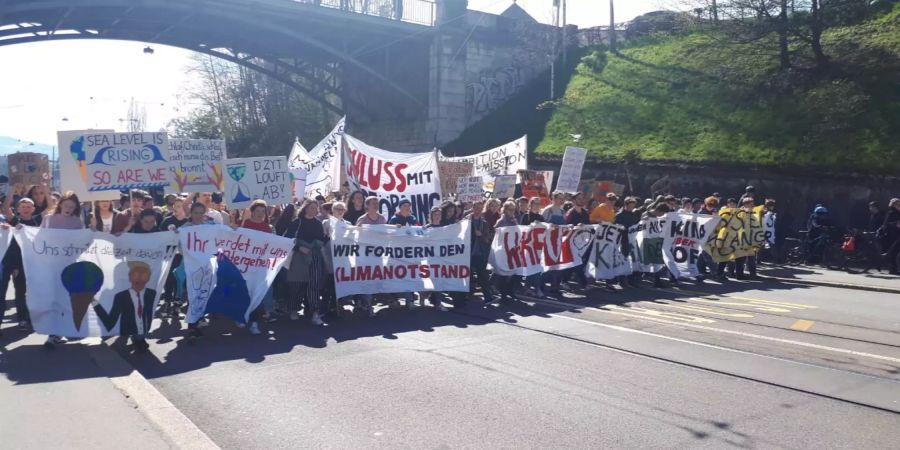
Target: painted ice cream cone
82,168
82,280
81,301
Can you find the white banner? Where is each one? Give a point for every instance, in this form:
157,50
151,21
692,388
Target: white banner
73,168
264,177
85,283
570,171
527,250
685,236
392,177
607,260
769,226
386,259
229,270
507,159
195,165
469,189
320,168
646,240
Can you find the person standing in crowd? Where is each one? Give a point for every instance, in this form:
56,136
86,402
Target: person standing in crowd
606,211
258,221
146,223
435,220
481,248
13,268
176,217
126,220
66,216
890,235
403,218
361,302
373,215
285,226
505,283
696,205
491,216
38,194
534,216
705,263
575,216
103,217
197,218
307,269
627,218
206,199
554,214
355,207
876,217
687,206
746,261
522,208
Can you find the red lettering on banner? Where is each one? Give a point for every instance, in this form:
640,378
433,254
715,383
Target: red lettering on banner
367,171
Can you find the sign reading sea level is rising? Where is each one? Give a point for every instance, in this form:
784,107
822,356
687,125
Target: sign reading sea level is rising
122,161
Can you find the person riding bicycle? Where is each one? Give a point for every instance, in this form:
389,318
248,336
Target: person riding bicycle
819,225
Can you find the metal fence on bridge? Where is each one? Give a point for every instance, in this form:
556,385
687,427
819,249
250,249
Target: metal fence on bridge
413,11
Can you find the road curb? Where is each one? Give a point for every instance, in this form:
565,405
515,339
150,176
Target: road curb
172,423
859,287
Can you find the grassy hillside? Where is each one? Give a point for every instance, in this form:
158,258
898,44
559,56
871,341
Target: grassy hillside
697,98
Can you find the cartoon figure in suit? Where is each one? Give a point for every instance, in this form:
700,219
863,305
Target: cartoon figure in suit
132,308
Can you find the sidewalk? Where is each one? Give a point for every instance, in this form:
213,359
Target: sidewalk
66,398
873,281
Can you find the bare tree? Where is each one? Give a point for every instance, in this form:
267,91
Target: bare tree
136,117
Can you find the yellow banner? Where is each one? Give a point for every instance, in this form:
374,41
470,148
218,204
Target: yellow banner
740,233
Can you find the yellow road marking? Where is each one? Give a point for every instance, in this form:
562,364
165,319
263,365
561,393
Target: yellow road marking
749,299
802,325
644,312
756,306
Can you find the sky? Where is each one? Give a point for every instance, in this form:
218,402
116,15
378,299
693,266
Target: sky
66,85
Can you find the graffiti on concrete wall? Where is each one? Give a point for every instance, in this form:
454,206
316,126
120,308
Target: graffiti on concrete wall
491,89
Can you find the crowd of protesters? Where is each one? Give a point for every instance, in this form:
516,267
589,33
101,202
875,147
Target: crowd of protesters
306,288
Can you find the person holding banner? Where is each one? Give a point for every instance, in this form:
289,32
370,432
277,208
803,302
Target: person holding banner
103,217
627,217
554,215
404,218
505,282
481,248
373,214
13,268
534,216
198,217
66,216
435,220
355,207
747,205
257,221
38,193
307,270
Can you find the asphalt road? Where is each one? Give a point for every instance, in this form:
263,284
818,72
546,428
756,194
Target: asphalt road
754,365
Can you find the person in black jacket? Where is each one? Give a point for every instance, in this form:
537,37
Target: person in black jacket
12,263
132,309
890,233
627,217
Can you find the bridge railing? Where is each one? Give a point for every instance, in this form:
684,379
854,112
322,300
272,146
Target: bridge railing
414,11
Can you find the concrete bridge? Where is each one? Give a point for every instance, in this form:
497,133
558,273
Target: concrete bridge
409,74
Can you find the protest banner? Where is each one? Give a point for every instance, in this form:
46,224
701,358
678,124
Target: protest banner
72,168
298,172
114,162
85,283
646,240
740,234
506,159
392,177
229,270
195,165
470,189
385,259
263,177
320,168
606,260
451,171
529,249
570,171
534,184
29,168
504,186
685,236
769,225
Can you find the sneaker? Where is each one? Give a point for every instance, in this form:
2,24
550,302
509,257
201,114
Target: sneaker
410,304
254,329
371,312
295,316
52,342
317,320
195,332
203,323
141,345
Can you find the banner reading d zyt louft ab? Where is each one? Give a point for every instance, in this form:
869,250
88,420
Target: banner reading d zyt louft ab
385,259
